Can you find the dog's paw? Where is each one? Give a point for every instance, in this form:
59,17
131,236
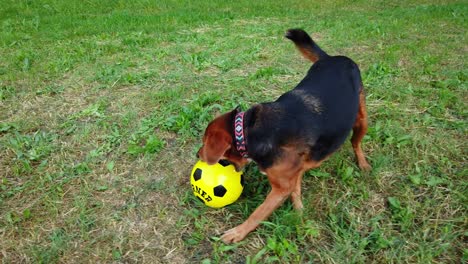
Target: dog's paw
364,166
297,202
298,206
234,235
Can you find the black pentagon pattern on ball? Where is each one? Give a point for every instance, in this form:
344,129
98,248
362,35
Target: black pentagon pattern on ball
224,162
197,174
219,191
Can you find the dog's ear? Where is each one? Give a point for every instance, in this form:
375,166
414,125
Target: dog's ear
217,143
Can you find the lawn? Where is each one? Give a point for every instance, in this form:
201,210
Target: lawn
103,104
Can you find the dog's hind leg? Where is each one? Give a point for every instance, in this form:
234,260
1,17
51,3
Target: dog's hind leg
359,131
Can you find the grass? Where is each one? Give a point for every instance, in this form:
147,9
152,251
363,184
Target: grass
103,103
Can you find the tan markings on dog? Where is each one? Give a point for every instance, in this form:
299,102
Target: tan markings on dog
311,102
308,54
359,130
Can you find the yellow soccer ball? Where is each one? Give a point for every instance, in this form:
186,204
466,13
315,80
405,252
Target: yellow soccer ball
216,185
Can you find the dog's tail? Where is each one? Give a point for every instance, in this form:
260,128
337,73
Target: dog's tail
306,45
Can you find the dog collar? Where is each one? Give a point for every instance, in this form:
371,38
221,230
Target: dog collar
241,142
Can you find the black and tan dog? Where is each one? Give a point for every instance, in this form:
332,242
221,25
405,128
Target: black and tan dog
295,133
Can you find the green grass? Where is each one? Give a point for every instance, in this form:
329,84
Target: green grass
103,104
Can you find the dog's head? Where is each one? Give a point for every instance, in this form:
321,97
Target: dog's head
218,142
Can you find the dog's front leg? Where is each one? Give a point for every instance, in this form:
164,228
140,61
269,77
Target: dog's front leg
283,182
296,194
274,199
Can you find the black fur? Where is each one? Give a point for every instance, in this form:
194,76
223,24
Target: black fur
317,115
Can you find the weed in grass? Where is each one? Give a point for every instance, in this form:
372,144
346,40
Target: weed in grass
5,127
6,92
31,150
51,253
402,215
93,111
150,145
51,90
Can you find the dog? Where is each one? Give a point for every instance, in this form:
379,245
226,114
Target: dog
295,133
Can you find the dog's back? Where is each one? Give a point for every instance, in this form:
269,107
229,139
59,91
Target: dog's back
317,115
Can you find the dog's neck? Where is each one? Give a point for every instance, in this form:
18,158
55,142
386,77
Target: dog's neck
239,135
